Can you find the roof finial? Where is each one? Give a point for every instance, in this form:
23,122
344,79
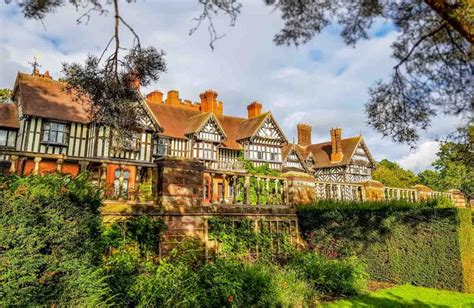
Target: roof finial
35,65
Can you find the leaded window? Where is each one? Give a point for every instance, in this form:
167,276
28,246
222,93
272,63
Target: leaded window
7,138
162,147
55,133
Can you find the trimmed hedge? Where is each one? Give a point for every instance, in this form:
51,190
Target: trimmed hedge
421,245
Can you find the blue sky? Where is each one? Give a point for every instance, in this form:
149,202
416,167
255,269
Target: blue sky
323,83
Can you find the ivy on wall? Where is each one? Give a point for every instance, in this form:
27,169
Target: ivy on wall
244,239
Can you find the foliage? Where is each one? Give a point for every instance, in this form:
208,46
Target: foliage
232,283
392,175
431,178
455,165
407,296
168,285
5,95
336,278
243,240
433,50
50,240
400,244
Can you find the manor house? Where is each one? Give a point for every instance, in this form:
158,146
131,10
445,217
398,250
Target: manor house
45,129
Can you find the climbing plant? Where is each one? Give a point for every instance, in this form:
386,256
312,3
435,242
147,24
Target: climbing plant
244,239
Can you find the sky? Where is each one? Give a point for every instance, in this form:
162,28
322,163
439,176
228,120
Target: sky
323,83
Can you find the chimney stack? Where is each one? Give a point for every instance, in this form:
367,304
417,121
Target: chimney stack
336,145
304,134
155,97
254,110
209,102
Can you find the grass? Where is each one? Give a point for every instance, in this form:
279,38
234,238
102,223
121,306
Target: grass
407,296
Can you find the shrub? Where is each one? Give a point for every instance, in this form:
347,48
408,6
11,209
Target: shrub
332,278
245,284
400,243
50,230
167,285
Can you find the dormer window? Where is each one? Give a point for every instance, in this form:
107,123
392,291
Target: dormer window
55,133
7,138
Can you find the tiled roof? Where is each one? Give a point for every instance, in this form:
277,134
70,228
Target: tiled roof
322,152
43,97
9,116
178,122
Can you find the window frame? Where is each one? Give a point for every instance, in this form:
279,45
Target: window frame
161,142
46,130
11,136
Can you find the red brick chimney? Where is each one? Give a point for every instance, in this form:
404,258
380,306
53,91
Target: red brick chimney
155,97
254,110
304,134
336,145
209,102
172,98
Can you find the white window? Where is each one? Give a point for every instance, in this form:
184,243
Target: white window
7,138
204,150
55,133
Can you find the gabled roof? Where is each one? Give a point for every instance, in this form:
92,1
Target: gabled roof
322,152
197,122
9,116
43,97
179,122
290,147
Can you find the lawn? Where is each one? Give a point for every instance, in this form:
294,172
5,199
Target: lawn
408,296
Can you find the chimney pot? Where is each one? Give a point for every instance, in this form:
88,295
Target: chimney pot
254,110
304,134
336,145
209,102
155,97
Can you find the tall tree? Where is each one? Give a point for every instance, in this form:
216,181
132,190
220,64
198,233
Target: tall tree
433,49
110,81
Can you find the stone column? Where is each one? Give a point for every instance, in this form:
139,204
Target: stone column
13,164
234,188
83,165
137,182
211,197
60,163
224,188
37,161
120,182
247,189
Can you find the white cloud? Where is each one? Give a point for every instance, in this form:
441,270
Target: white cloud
420,158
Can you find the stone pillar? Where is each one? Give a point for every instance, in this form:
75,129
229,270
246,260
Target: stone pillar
60,163
83,164
458,198
234,188
211,197
103,176
37,161
247,189
120,192
224,188
13,164
373,191
136,195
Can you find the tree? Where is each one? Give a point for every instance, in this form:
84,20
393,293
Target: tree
110,81
50,241
434,52
392,175
432,179
455,165
5,95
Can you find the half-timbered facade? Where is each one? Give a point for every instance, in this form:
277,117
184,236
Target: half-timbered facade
45,129
339,160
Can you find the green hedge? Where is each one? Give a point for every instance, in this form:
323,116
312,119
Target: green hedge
402,244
